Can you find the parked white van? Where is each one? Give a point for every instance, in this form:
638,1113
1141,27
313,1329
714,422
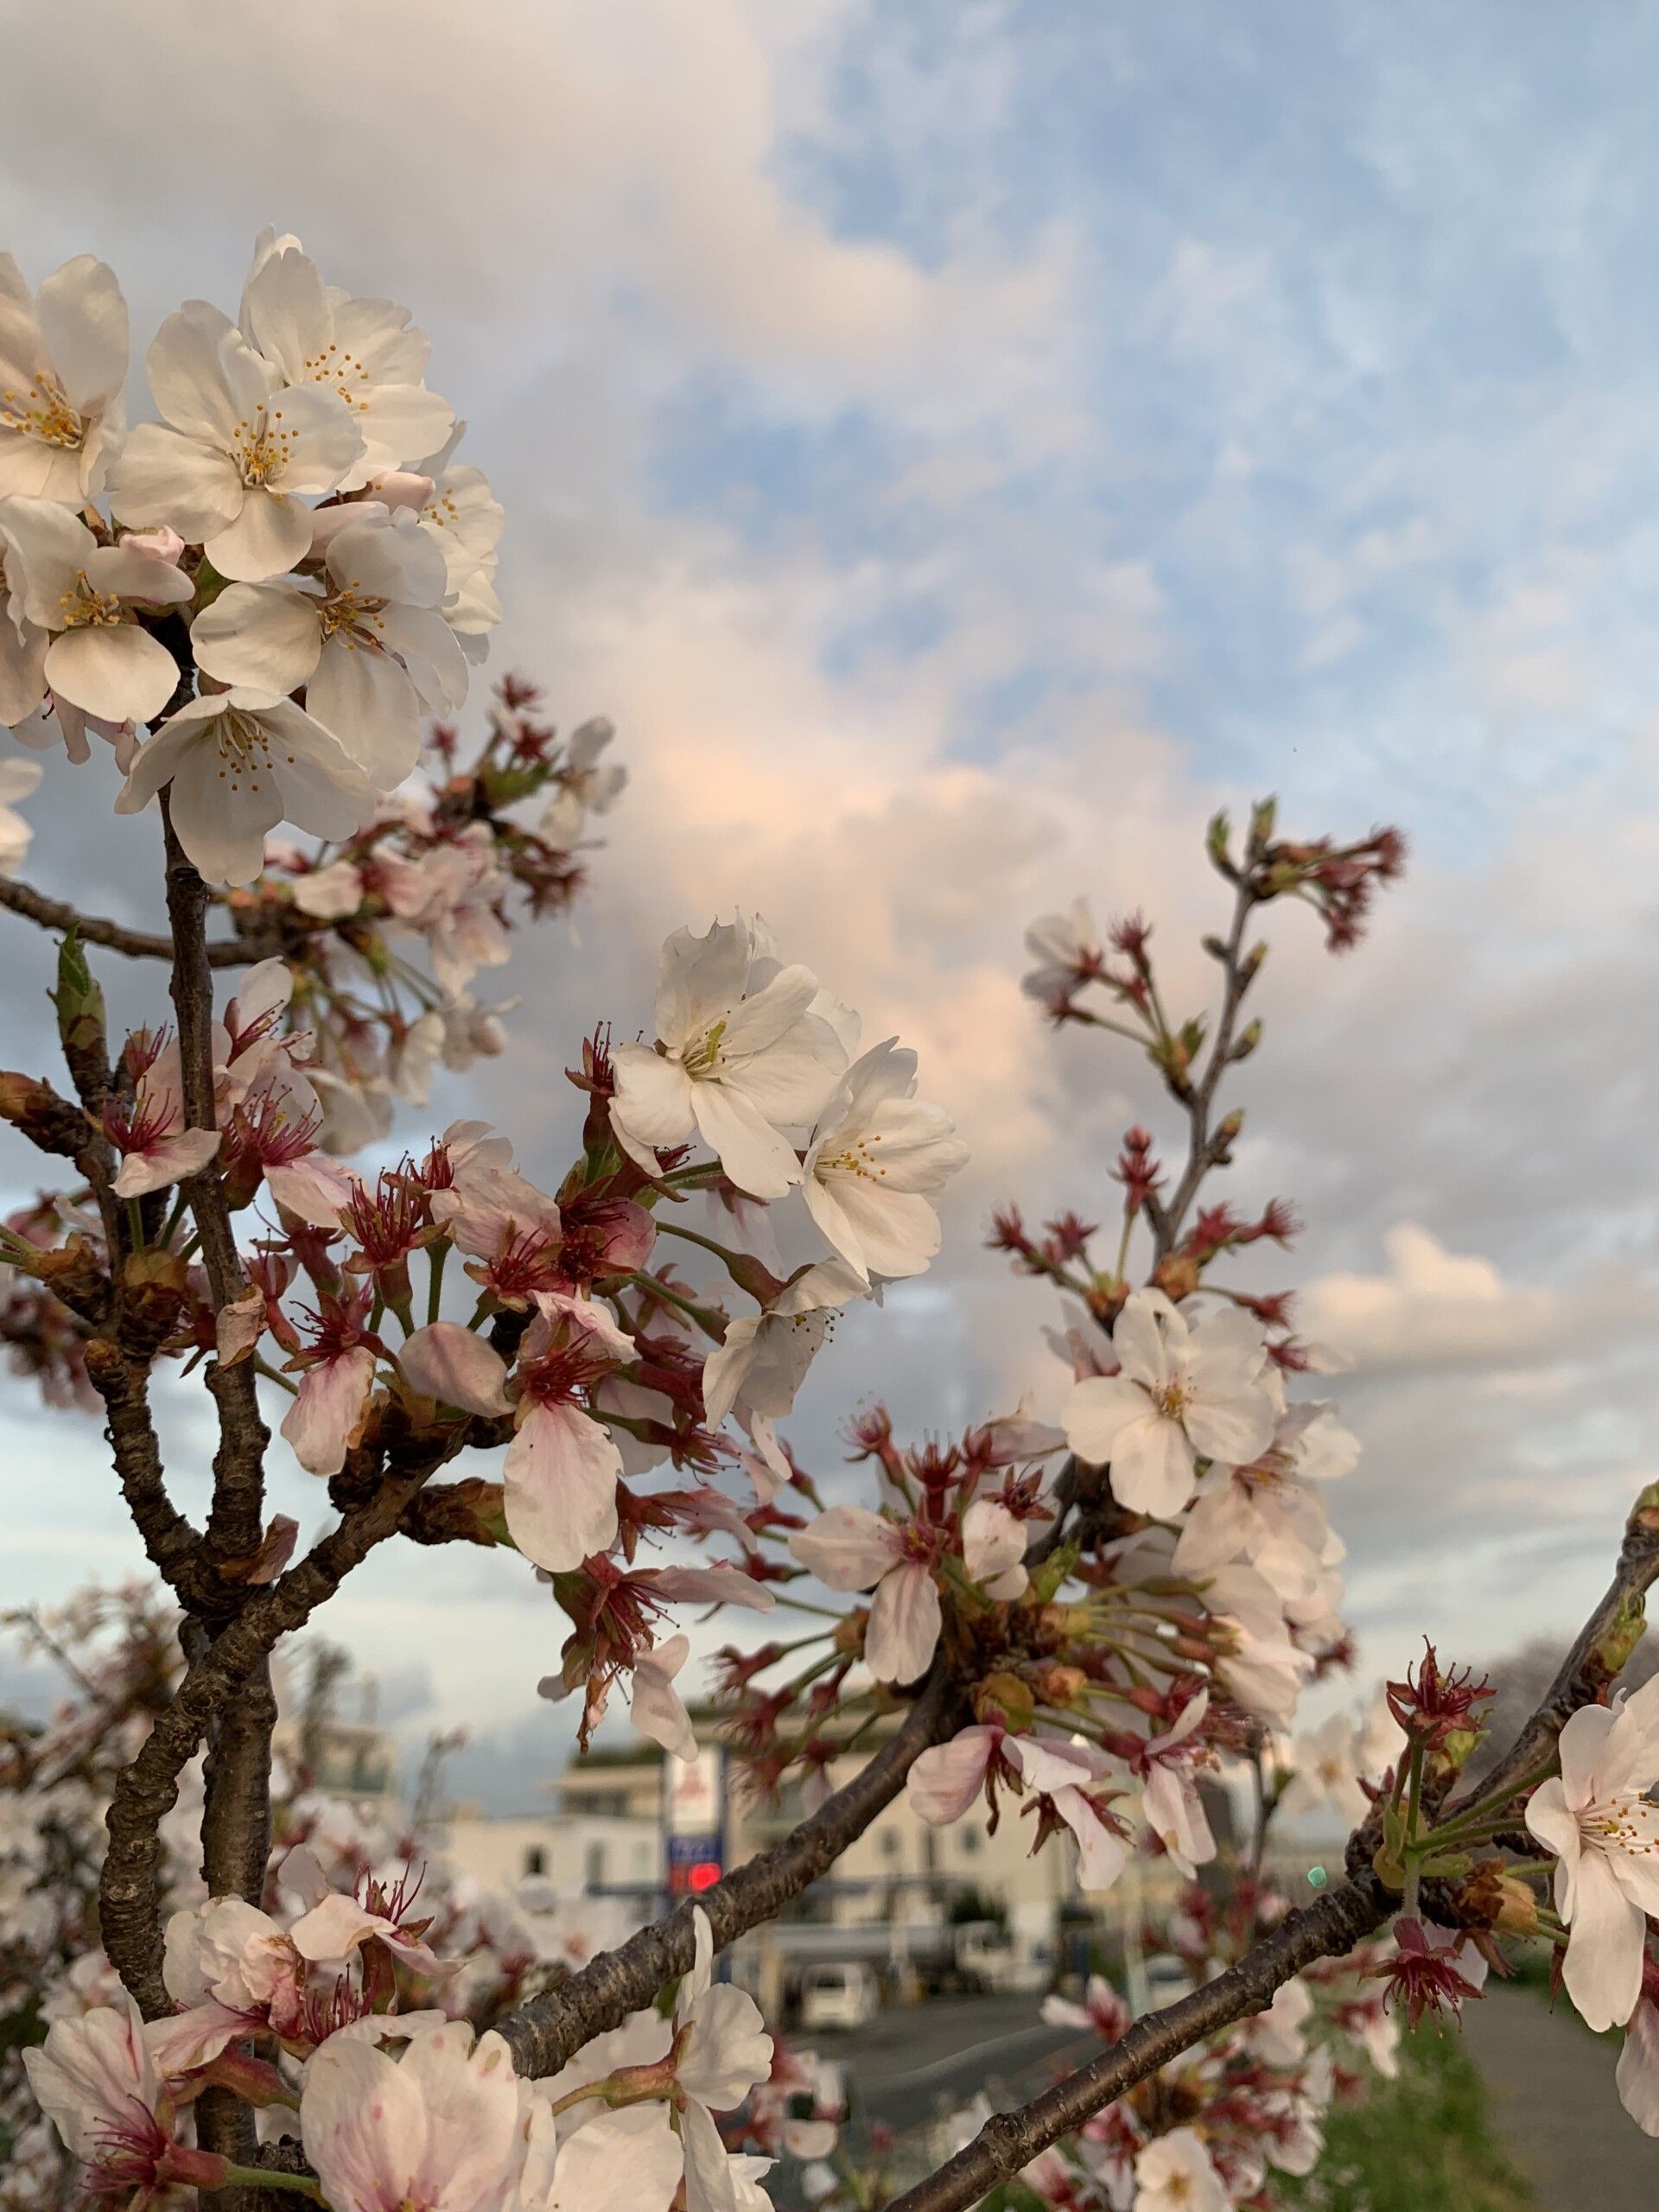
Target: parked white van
839,1993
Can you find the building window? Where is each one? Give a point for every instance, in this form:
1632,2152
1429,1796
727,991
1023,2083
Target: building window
595,1866
889,1843
535,1859
972,1841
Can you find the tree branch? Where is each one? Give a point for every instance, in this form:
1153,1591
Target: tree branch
236,1520
137,945
549,2029
148,1785
1009,2140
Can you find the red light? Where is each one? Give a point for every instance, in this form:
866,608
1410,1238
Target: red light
705,1874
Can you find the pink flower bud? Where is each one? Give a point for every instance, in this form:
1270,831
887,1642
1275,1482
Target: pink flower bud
401,487
160,544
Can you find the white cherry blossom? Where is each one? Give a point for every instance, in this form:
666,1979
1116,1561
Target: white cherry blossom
434,2131
367,643
18,779
1174,2173
850,1548
764,1358
878,1158
741,1061
1065,947
1184,1392
235,450
1598,1818
63,372
586,787
86,596
365,350
238,764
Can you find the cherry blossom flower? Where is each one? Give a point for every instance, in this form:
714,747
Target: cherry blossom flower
850,1548
454,1366
63,372
96,2081
1325,1772
721,2051
584,786
368,645
626,2161
656,1706
1102,2011
150,1131
1433,1970
1637,2072
993,1549
337,1376
1183,1392
560,1475
1062,1775
1067,948
739,1062
337,1926
1598,1820
764,1358
18,779
87,595
226,465
436,2131
365,350
234,1971
1170,1803
239,763
878,1156
1174,2173
466,518
944,1780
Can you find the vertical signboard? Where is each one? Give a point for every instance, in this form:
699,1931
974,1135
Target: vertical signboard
694,1820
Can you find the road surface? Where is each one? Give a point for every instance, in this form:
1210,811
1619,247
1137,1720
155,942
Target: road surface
915,2064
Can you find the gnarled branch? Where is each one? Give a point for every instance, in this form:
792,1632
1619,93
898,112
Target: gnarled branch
115,937
542,2034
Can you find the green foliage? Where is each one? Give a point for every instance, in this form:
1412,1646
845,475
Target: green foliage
1425,2140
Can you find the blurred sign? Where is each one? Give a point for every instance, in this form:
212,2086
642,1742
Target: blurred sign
694,1817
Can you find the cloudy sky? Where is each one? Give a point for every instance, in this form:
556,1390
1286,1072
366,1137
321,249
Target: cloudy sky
961,446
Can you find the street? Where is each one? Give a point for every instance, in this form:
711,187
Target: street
915,2064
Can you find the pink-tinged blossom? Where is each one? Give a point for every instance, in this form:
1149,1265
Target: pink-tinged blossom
656,1706
1598,1820
563,1465
1174,2173
228,1952
1170,1803
850,1548
1067,948
511,1230
150,1131
1637,2073
337,1926
1103,2011
993,1549
944,1780
740,1061
1433,1970
96,2079
63,374
434,2131
1062,1774
453,1365
627,2161
1184,1393
337,1379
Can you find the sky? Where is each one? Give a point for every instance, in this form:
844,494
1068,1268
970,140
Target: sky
960,447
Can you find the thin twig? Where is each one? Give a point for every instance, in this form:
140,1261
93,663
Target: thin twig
137,945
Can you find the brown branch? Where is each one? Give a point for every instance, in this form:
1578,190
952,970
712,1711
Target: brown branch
115,937
171,1542
236,1520
1009,2140
551,2029
1205,1149
1358,1908
148,1787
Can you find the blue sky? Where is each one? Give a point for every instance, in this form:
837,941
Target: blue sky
961,446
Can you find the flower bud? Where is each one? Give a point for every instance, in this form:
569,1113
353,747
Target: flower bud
161,543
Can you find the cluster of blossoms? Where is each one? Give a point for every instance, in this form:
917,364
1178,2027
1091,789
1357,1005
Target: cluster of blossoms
1100,1607
366,1937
